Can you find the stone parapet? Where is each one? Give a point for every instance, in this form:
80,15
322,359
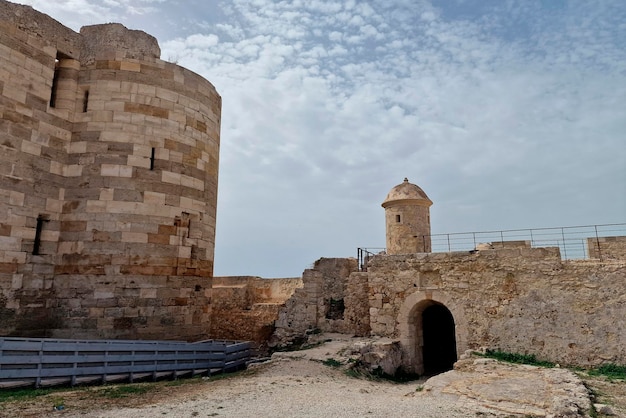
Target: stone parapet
607,248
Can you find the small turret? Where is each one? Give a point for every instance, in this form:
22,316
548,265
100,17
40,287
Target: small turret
407,217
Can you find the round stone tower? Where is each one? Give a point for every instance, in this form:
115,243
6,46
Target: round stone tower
407,218
108,184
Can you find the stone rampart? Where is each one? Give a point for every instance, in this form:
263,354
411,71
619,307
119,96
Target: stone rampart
517,300
108,183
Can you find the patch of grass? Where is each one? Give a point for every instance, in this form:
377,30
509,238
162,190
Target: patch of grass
229,375
354,373
19,394
126,390
517,358
184,381
419,388
610,370
331,362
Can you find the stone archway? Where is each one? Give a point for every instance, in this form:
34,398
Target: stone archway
441,313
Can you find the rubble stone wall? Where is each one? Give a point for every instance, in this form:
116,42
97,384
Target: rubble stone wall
108,183
246,307
320,304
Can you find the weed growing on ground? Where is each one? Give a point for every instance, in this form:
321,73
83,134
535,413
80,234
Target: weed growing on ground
19,394
126,390
331,362
185,381
517,358
610,370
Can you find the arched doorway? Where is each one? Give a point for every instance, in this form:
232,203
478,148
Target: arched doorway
411,328
439,341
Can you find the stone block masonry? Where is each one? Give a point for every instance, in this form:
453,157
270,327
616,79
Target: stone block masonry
516,299
108,183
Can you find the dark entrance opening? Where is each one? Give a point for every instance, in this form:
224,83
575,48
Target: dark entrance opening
439,350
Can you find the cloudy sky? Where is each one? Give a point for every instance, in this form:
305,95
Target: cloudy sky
509,114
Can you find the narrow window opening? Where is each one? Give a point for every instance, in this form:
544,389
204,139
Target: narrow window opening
55,84
398,218
152,159
86,101
37,244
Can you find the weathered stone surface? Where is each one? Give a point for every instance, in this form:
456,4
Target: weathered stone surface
112,39
517,390
319,304
245,307
512,298
603,409
378,356
86,142
407,219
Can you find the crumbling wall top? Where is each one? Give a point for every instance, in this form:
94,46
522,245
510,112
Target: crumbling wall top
113,38
42,26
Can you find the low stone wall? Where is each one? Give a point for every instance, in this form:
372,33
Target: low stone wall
245,307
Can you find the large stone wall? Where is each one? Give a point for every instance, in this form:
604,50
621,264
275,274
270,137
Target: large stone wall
108,183
517,300
513,298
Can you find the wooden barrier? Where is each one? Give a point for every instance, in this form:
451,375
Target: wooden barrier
45,362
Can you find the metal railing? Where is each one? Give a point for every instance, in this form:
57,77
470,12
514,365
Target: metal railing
46,362
572,241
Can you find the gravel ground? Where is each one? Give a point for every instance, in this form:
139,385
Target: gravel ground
301,388
298,384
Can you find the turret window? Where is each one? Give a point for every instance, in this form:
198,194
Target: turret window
398,219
